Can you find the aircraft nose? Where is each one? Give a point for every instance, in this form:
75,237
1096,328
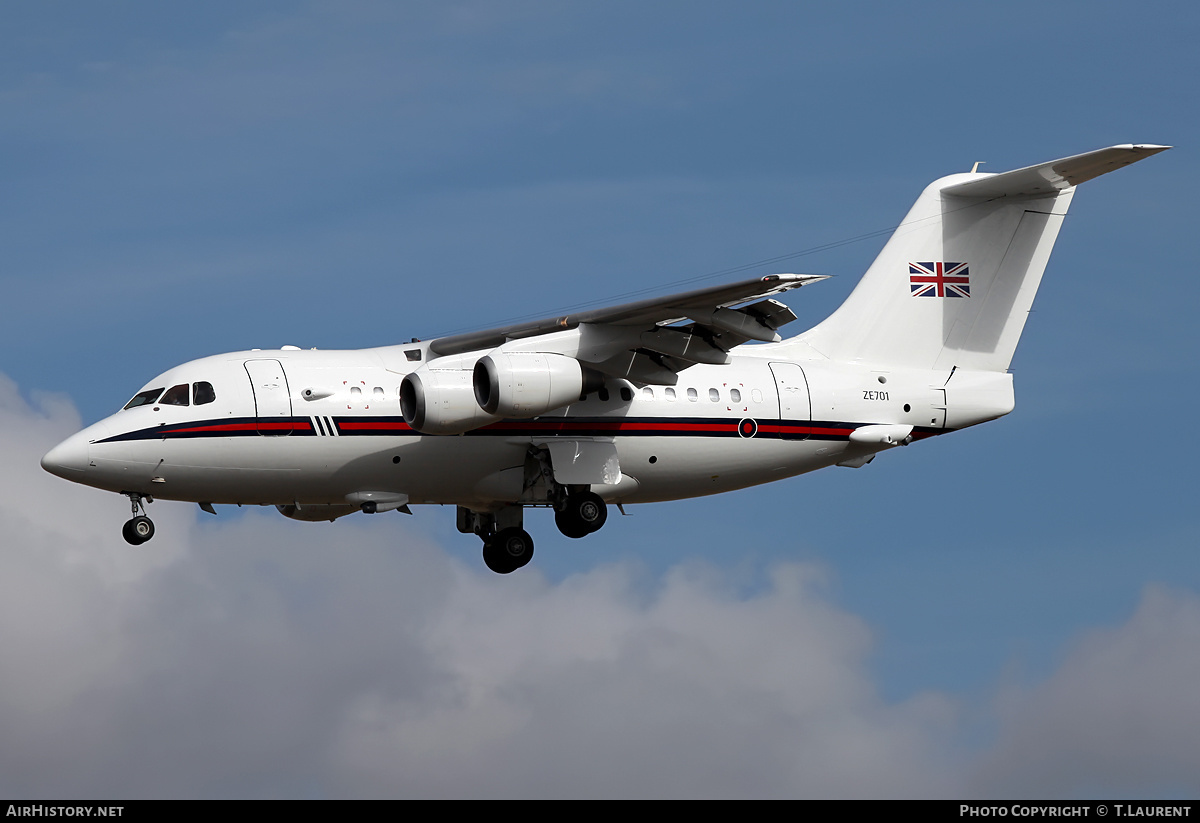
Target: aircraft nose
68,458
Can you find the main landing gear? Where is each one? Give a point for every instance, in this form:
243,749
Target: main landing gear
507,546
140,528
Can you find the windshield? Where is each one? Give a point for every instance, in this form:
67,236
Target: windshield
142,398
176,396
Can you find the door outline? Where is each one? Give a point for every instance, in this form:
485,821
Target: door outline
272,397
792,392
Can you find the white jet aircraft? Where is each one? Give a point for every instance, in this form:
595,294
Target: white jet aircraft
661,399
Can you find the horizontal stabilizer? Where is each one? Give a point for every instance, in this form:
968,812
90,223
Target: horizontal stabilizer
1048,178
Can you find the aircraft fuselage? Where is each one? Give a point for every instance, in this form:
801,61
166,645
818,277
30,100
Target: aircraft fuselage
260,441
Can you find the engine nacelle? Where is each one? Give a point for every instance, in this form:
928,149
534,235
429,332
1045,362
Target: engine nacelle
441,401
526,384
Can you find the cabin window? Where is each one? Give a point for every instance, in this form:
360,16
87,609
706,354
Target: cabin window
626,393
735,395
603,395
670,394
176,395
377,393
692,395
144,398
202,392
714,395
757,395
648,393
356,392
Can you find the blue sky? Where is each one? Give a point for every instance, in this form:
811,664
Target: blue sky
185,181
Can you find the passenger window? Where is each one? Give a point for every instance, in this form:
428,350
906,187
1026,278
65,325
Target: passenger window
735,395
356,392
670,394
144,398
691,393
202,393
714,395
626,393
757,395
176,395
648,393
378,393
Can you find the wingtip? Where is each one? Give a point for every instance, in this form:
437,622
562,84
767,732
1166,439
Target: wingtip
798,279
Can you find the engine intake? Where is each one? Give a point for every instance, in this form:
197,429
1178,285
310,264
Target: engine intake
441,401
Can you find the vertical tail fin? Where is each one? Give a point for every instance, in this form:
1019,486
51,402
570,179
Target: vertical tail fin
955,282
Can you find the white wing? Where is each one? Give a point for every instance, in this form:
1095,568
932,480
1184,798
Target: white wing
649,340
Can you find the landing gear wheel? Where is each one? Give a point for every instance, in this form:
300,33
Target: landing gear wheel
582,514
508,550
138,530
569,525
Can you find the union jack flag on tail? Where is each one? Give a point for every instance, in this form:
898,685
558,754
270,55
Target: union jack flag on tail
939,279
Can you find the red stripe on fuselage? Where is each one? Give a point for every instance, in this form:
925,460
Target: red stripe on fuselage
390,425
800,429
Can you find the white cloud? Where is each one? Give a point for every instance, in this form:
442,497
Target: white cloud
1120,716
254,656
587,689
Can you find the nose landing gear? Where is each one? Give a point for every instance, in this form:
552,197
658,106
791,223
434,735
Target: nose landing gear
140,528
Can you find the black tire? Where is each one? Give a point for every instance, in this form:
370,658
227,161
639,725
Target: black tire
569,525
589,510
493,559
508,551
138,530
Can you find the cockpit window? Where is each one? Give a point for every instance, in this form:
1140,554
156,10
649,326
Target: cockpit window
176,396
203,393
142,398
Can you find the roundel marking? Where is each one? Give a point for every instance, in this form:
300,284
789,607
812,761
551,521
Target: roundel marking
747,428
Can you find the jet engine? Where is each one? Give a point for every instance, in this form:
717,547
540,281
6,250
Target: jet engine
441,401
526,384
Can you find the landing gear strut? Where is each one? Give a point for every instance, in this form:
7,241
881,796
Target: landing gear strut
581,513
140,528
